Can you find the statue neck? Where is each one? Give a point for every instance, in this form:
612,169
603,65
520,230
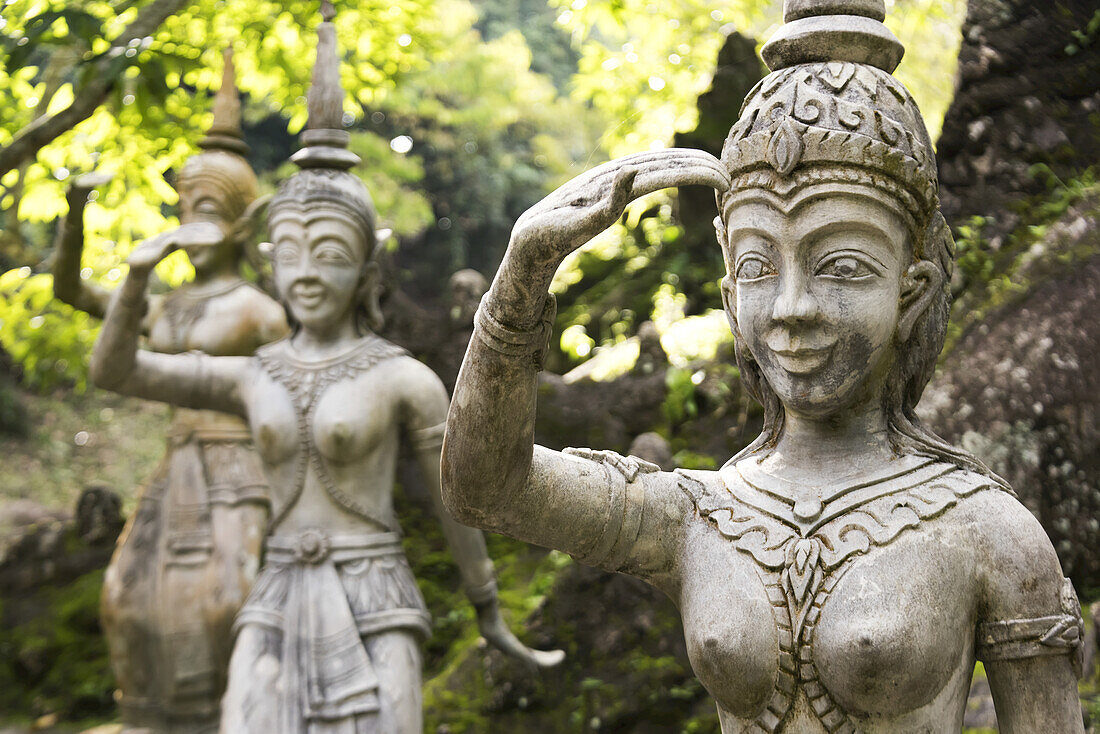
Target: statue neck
322,343
817,450
221,273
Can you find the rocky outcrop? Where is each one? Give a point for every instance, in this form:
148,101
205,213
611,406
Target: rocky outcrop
1019,385
53,659
1028,93
1022,390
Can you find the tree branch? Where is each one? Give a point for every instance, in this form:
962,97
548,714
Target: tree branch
32,138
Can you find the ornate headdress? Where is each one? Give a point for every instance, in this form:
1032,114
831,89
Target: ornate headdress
324,156
831,111
222,160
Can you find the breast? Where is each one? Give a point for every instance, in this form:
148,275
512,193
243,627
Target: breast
274,422
897,626
351,421
729,628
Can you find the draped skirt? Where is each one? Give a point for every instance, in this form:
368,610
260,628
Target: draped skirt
327,642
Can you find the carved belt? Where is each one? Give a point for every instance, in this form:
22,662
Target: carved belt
314,546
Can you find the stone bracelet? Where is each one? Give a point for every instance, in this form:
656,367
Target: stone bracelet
512,342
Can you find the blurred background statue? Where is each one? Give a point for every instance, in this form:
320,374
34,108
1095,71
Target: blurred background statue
844,570
328,639
190,552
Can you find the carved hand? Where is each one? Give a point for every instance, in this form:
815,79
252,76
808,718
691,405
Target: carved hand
492,628
150,252
578,211
590,203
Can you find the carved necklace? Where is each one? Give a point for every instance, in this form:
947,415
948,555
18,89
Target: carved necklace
803,548
184,307
306,382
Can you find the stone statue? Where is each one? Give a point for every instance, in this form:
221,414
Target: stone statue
843,572
189,554
328,638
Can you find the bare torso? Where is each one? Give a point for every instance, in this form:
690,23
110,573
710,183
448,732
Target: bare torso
337,471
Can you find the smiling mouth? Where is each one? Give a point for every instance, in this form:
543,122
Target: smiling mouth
802,361
309,296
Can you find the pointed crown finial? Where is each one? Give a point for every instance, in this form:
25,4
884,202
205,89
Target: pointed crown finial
833,31
225,132
324,141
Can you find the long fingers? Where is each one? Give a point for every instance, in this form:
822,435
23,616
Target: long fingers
655,169
681,170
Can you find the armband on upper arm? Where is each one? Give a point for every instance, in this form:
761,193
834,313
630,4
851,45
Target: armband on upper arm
1015,639
625,503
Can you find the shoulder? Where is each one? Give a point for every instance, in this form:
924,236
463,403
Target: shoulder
412,383
1017,566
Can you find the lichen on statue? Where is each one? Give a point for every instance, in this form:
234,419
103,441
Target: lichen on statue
845,570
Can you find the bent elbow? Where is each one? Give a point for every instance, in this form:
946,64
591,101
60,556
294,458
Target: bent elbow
102,375
64,291
454,487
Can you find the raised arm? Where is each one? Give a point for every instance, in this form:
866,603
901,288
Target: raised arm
1029,631
492,475
191,380
68,286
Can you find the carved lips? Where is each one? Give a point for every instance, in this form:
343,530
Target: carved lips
309,295
796,356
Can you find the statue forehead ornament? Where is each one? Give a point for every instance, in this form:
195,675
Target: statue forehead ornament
222,161
324,156
831,112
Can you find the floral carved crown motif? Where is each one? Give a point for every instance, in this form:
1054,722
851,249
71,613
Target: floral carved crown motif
831,111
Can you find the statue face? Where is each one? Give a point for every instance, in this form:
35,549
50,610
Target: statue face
818,278
318,258
202,201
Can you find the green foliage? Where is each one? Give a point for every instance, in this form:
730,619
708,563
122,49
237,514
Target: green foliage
56,661
488,135
49,339
552,52
492,136
679,404
1085,37
993,274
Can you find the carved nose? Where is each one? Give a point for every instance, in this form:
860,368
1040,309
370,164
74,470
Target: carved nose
795,303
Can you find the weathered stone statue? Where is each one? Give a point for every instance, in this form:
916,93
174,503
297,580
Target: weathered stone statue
843,572
190,552
328,638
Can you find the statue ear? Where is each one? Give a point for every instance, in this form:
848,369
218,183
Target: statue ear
729,301
251,222
919,286
369,293
720,232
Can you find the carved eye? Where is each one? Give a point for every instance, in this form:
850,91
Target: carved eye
752,268
845,267
331,254
286,253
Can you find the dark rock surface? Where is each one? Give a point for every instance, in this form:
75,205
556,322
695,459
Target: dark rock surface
1022,391
1028,92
